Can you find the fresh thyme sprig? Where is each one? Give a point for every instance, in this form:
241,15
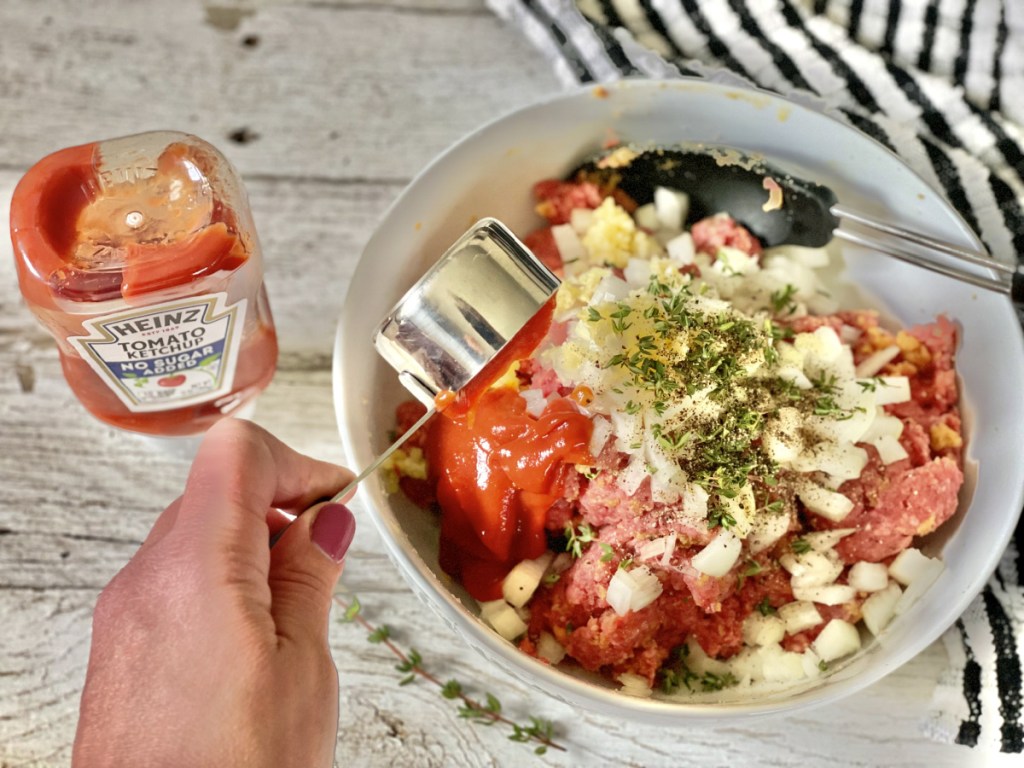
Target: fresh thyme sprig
765,608
576,538
782,299
676,673
800,546
410,664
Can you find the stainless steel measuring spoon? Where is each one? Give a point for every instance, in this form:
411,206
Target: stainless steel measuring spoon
456,318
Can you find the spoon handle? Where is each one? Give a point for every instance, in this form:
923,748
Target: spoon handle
384,456
374,466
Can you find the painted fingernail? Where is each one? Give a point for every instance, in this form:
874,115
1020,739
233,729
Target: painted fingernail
333,530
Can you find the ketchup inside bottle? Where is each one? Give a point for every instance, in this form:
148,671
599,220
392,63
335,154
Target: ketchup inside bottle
95,236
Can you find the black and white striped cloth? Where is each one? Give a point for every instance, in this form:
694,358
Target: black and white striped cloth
939,82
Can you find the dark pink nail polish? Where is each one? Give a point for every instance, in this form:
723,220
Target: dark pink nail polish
333,530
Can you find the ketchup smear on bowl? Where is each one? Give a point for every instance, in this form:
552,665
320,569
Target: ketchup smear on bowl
498,470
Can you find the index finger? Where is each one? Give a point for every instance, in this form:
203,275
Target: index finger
240,472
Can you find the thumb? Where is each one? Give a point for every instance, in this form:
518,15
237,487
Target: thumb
304,567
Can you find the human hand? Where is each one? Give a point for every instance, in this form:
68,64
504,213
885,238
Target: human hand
209,648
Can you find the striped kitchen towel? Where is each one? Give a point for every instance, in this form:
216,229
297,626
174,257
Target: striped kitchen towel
939,82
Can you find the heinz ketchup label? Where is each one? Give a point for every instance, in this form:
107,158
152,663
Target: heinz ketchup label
166,355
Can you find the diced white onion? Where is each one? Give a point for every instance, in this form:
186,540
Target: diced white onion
695,500
849,334
671,206
821,501
892,389
506,622
632,590
889,449
815,258
868,577
912,564
855,415
652,550
768,528
917,572
634,685
681,249
569,245
880,607
670,548
779,666
821,303
550,649
581,219
747,665
811,569
823,541
719,555
820,347
668,483
489,607
763,630
883,425
812,663
602,430
659,549
628,429
842,460
535,401
876,361
610,289
630,479
743,509
522,581
829,594
799,615
637,273
646,217
733,261
698,662
794,376
839,638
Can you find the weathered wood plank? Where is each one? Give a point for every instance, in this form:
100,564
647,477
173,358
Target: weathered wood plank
78,498
42,665
341,91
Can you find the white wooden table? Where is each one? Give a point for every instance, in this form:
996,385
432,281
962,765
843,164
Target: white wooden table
328,108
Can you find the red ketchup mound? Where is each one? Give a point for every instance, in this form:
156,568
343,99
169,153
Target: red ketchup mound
495,470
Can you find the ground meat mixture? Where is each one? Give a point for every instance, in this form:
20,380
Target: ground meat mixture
628,508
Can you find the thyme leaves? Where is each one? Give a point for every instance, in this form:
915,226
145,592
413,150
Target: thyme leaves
536,731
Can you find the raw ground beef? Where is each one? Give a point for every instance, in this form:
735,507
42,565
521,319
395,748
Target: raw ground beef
714,232
604,503
912,497
542,243
556,199
575,612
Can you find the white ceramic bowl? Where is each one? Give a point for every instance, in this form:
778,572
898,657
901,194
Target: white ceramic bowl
490,173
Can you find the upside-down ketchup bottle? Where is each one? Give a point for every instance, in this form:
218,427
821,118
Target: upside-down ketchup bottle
139,256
